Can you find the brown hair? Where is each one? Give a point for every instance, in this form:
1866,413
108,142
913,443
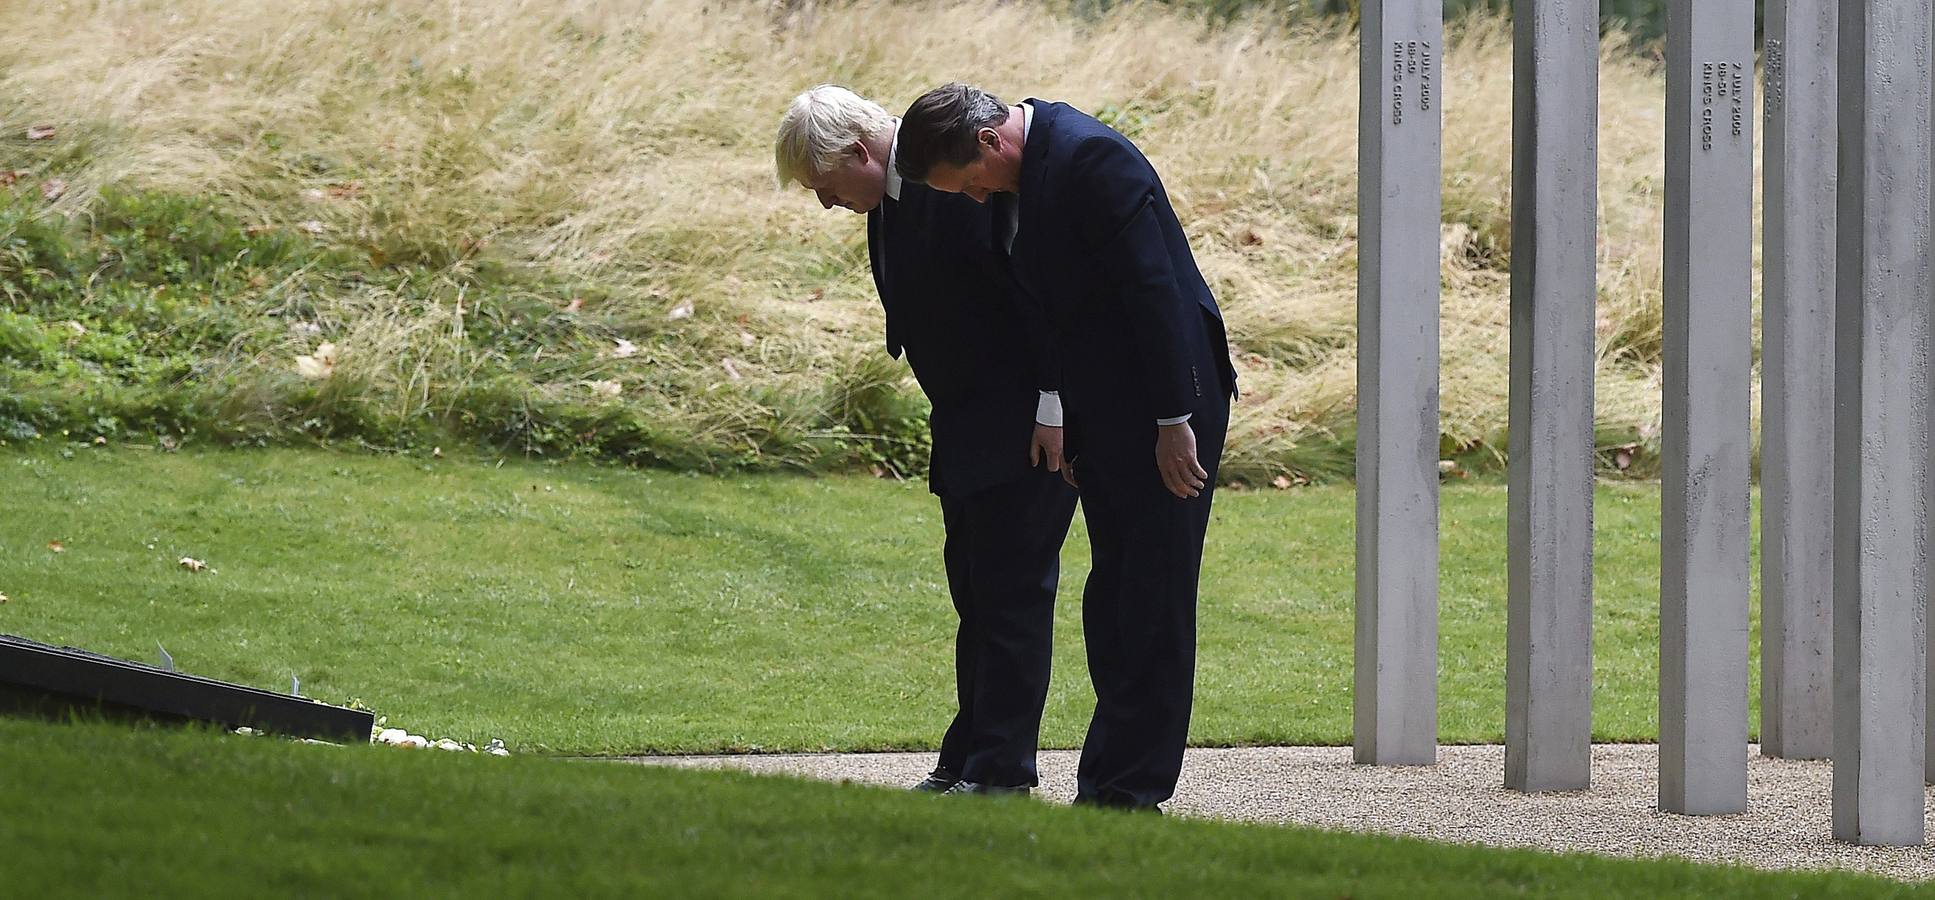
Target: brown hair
940,127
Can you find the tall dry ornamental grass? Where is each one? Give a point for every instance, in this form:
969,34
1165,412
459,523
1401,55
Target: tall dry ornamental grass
623,146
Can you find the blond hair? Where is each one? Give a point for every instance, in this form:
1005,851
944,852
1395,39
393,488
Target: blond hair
820,125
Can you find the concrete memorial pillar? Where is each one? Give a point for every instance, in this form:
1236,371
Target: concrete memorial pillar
1399,163
1881,445
1797,382
1707,433
1555,117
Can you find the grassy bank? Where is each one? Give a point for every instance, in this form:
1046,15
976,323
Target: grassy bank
552,227
585,609
193,814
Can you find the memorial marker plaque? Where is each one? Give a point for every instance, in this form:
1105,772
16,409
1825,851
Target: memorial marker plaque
1706,435
1797,383
1881,447
1555,120
1395,716
40,680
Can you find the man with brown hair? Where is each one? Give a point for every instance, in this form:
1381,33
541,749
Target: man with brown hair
1086,229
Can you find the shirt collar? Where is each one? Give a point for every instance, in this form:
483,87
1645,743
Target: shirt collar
1027,120
893,174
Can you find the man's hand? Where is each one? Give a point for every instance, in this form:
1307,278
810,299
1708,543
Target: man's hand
1176,460
1046,446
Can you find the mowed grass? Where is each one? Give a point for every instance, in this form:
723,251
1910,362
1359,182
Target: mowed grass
594,610
115,812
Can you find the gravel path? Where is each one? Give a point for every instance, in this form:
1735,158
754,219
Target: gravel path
1460,799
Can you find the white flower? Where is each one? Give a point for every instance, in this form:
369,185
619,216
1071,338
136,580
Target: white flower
321,365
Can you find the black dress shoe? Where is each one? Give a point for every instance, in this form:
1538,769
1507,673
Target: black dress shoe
1147,808
937,782
989,790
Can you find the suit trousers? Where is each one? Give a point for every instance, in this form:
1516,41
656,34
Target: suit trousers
1139,606
1003,559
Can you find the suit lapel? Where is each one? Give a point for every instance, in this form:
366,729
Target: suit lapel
1034,165
876,253
881,232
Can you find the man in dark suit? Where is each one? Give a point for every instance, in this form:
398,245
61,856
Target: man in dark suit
951,310
1146,380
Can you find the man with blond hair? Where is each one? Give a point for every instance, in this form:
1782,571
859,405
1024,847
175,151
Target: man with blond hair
996,423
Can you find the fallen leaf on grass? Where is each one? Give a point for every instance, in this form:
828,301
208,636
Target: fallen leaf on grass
624,349
577,303
192,564
607,388
52,189
681,311
39,132
732,371
313,195
311,227
57,546
321,365
9,176
746,339
345,190
76,327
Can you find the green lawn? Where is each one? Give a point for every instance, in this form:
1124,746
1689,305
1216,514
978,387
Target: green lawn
121,812
583,609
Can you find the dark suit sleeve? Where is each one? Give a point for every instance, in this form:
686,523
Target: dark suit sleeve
1121,229
1047,370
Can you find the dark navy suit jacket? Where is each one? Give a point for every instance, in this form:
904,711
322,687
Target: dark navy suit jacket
951,306
1100,250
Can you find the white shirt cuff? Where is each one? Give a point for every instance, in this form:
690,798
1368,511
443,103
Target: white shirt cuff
1048,410
1178,420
